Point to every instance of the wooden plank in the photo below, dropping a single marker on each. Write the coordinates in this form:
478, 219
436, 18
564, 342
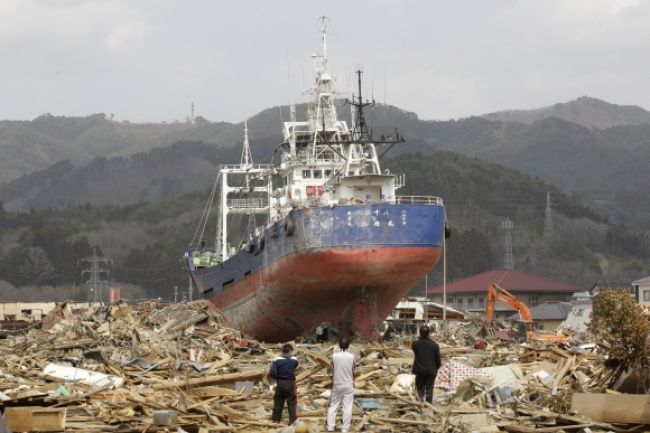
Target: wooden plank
35, 418
212, 391
213, 380
557, 428
359, 381
622, 408
406, 421
307, 373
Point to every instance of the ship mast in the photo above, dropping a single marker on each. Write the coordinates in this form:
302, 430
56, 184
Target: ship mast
360, 131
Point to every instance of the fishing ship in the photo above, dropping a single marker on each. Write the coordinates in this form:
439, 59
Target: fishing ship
330, 241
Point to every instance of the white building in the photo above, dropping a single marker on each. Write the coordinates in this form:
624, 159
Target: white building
31, 311
642, 290
580, 315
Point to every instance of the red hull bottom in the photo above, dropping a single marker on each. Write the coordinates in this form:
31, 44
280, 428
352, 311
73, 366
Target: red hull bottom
354, 289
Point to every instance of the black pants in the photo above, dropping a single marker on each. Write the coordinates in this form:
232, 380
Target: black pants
424, 386
285, 390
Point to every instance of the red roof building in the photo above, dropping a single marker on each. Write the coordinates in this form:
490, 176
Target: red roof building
469, 293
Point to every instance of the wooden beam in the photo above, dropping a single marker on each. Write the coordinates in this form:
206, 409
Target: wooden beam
213, 380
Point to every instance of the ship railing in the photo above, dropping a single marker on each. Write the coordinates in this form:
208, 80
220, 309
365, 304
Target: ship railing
418, 199
248, 203
255, 166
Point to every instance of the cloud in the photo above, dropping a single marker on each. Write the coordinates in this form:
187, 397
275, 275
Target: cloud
148, 60
127, 37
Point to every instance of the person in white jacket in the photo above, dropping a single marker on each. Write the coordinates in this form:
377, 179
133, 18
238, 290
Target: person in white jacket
342, 386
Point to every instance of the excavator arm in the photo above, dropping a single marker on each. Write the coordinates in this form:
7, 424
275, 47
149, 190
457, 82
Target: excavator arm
496, 293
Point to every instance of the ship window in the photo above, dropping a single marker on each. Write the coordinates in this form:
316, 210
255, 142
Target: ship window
247, 273
470, 302
328, 173
318, 174
306, 174
208, 292
232, 280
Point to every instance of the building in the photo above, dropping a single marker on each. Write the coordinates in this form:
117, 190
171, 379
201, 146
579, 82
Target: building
469, 294
409, 314
642, 290
549, 315
31, 311
579, 317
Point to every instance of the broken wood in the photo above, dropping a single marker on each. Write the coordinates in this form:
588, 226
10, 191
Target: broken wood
213, 380
35, 419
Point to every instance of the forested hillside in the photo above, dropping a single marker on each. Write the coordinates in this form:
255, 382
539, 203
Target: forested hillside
28, 146
146, 241
585, 111
604, 169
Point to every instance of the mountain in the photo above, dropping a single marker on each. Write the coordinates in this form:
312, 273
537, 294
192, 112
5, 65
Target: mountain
585, 111
605, 169
142, 178
28, 146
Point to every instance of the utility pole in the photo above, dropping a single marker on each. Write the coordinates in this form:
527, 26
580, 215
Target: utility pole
507, 225
95, 283
175, 294
190, 289
444, 281
548, 220
426, 298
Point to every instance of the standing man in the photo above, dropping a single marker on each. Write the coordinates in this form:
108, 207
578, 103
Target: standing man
426, 364
342, 386
283, 370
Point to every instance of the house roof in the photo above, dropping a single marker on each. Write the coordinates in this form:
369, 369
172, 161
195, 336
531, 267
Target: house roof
511, 280
642, 281
548, 311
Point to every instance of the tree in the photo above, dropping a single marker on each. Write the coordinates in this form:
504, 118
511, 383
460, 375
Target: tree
35, 267
622, 329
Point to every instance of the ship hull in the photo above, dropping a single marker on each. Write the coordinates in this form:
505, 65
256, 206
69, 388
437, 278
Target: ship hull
347, 266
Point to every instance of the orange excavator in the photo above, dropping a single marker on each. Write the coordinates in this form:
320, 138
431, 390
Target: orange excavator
526, 331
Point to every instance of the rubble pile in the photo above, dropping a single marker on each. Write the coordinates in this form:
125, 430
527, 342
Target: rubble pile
179, 367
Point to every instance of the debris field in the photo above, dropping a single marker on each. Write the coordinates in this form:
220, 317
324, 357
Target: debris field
152, 367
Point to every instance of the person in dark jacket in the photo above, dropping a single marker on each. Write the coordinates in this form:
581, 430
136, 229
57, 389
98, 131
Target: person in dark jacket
426, 364
283, 370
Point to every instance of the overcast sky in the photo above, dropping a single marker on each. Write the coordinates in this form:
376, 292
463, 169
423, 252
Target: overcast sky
149, 60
